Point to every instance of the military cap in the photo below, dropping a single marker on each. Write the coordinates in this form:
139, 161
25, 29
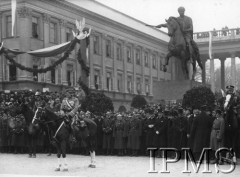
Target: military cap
37, 93
218, 111
230, 87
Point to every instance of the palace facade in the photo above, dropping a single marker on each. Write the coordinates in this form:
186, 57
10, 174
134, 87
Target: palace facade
125, 56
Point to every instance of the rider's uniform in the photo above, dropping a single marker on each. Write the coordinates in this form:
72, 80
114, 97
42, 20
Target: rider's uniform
70, 106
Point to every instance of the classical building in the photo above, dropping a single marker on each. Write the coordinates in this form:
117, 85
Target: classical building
125, 56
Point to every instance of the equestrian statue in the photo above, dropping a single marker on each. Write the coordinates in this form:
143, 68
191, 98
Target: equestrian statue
181, 44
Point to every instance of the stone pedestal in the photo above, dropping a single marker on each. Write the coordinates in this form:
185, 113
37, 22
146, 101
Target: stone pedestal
172, 90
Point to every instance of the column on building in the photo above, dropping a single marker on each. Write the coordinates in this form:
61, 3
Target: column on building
158, 66
134, 69
64, 63
91, 74
204, 71
24, 24
212, 75
46, 21
125, 89
104, 86
143, 71
233, 69
222, 60
150, 74
114, 76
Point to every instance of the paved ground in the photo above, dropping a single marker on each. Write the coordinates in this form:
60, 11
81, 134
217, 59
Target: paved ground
107, 166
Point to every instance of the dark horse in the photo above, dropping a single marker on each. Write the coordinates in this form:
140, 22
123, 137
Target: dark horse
33, 130
61, 132
231, 124
177, 47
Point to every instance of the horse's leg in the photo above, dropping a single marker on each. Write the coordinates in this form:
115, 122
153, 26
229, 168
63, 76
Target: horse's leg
91, 146
59, 164
34, 145
166, 61
184, 65
63, 149
194, 69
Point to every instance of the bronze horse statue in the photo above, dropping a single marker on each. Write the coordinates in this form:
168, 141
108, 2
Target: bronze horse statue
177, 47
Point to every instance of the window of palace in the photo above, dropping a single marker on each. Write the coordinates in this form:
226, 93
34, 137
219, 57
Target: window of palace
147, 87
119, 52
108, 48
12, 72
53, 76
69, 35
97, 79
35, 27
146, 61
154, 62
138, 61
8, 26
53, 32
161, 64
129, 56
138, 85
70, 75
35, 74
129, 84
96, 45
120, 82
109, 81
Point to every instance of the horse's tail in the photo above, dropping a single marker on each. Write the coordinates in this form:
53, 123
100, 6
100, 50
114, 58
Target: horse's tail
197, 53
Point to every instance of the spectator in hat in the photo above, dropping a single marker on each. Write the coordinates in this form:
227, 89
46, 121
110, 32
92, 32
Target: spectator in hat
160, 136
118, 130
200, 132
107, 128
217, 136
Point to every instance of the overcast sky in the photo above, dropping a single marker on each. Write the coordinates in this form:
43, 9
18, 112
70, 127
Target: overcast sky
206, 14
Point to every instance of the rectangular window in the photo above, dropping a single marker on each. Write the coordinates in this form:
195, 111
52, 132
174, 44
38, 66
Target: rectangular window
108, 48
147, 87
96, 79
129, 84
119, 52
138, 62
70, 76
109, 82
53, 32
35, 74
119, 82
129, 60
96, 44
69, 34
8, 26
53, 76
138, 85
35, 27
146, 59
154, 62
161, 65
12, 72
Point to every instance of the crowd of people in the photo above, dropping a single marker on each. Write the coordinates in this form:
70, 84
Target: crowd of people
126, 133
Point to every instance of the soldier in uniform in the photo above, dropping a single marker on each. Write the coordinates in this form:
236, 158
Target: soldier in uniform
107, 128
217, 134
69, 107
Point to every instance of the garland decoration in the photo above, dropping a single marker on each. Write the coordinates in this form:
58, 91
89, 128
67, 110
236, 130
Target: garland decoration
41, 70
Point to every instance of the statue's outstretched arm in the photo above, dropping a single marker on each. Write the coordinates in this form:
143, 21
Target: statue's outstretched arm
161, 25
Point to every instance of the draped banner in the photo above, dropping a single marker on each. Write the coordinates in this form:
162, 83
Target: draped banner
45, 52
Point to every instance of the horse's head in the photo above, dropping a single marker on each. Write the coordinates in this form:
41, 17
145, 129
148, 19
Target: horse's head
38, 116
172, 26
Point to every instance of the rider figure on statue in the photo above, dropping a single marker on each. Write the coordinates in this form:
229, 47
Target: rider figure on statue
186, 27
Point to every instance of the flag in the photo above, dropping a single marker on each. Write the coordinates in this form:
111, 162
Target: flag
210, 45
13, 6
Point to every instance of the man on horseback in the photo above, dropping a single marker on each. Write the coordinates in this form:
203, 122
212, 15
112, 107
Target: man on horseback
186, 25
69, 107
